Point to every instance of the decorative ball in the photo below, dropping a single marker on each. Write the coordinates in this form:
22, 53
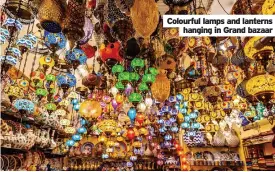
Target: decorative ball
82, 130
70, 143
76, 137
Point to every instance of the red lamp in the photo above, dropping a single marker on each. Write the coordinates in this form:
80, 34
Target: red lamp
140, 118
130, 134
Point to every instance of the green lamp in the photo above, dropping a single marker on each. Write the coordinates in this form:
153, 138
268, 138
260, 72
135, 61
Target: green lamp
124, 77
148, 78
116, 69
137, 63
120, 87
143, 87
41, 92
135, 98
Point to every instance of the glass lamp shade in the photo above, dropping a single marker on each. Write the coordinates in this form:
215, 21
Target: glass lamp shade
117, 69
15, 52
89, 50
26, 43
185, 125
124, 77
135, 97
148, 78
46, 62
37, 78
12, 23
14, 92
11, 60
137, 63
50, 78
134, 77
143, 87
110, 51
4, 34
55, 41
88, 31
25, 105
50, 106
76, 56
120, 86
41, 92
66, 80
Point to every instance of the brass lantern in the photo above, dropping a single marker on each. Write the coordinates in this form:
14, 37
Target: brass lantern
50, 14
74, 21
161, 87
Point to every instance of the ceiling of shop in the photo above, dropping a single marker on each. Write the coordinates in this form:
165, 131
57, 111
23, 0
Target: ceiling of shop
213, 5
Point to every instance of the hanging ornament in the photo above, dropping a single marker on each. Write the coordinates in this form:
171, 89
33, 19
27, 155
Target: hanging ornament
51, 14
161, 87
90, 109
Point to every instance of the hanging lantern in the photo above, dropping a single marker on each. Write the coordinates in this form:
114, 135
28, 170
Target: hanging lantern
140, 118
135, 98
90, 109
110, 53
132, 114
74, 22
116, 69
70, 143
161, 87
82, 130
140, 12
54, 41
130, 134
88, 50
13, 26
137, 63
4, 35
76, 57
46, 62
88, 31
51, 14
14, 92
24, 105
148, 79
26, 43
11, 59
120, 86
76, 137
21, 10
124, 77
66, 81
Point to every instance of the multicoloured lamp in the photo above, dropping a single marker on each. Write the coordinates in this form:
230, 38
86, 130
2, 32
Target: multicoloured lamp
76, 57
24, 106
14, 92
54, 41
66, 81
4, 35
13, 26
143, 87
134, 77
41, 92
11, 59
50, 107
46, 62
37, 79
26, 43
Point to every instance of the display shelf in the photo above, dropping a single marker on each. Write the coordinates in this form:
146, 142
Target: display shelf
6, 115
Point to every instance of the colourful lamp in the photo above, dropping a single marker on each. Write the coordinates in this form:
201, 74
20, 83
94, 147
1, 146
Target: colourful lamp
116, 69
124, 77
135, 98
137, 63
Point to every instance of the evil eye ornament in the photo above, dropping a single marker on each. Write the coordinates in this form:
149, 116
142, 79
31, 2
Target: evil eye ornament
168, 123
162, 130
23, 104
174, 129
187, 118
185, 104
183, 111
177, 106
195, 125
193, 115
172, 120
174, 112
165, 109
